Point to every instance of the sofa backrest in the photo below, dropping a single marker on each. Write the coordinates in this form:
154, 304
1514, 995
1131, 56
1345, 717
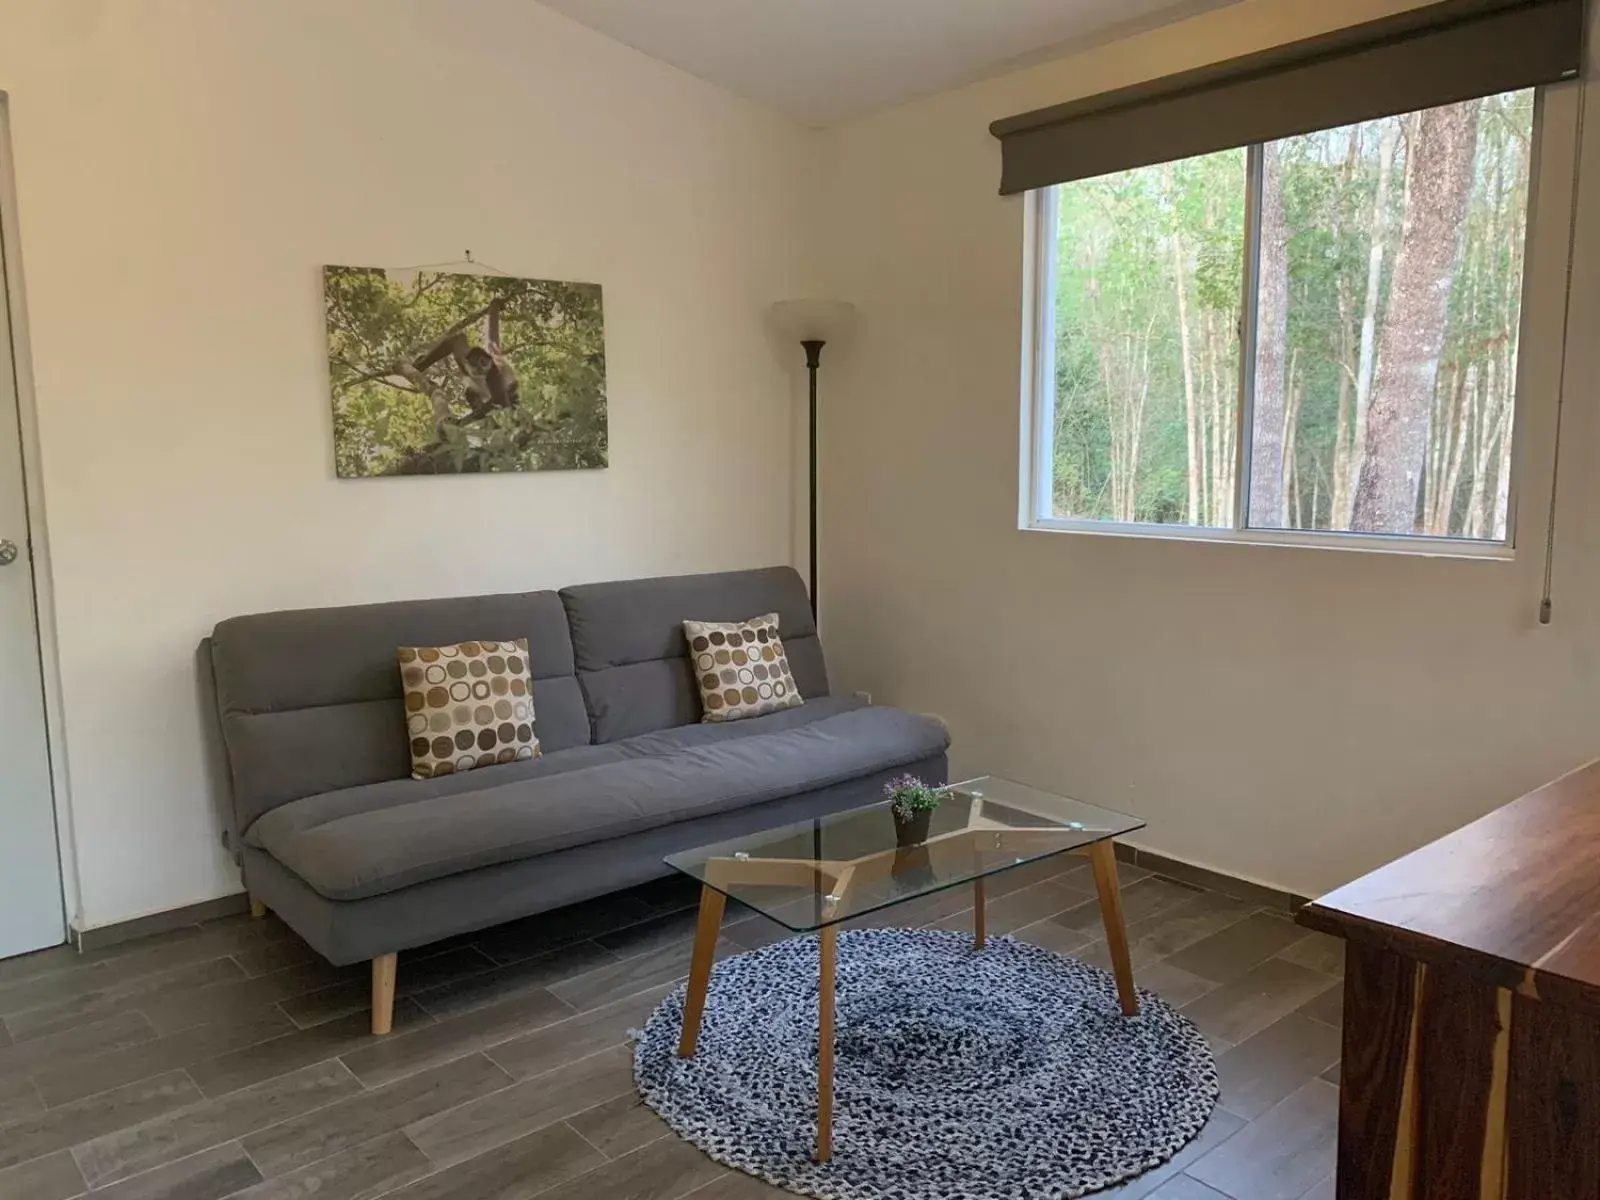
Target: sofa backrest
310, 700
631, 655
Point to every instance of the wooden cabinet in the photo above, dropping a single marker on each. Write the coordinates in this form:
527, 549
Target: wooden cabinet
1471, 1065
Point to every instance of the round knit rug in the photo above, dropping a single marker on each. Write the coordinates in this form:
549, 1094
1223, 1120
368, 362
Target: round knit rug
1007, 1073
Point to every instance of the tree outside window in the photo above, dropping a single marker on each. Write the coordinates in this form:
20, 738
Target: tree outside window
1375, 269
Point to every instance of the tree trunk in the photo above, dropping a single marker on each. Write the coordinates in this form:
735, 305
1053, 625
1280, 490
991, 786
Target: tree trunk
1461, 426
1227, 432
1127, 383
1204, 435
1138, 394
1221, 326
1502, 478
1344, 429
1438, 183
1343, 339
1388, 143
1490, 424
1272, 335
1105, 342
1191, 416
1215, 479
1291, 422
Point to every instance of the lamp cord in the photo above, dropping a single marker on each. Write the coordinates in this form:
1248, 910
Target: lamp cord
1546, 602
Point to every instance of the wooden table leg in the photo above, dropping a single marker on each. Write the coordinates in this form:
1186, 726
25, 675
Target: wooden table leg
1103, 859
706, 932
383, 972
979, 929
827, 945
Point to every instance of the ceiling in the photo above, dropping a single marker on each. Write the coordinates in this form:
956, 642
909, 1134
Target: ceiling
820, 61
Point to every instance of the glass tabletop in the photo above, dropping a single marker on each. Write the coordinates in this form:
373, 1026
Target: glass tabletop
817, 873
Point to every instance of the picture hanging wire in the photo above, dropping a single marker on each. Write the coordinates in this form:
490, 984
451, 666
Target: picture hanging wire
466, 261
1546, 601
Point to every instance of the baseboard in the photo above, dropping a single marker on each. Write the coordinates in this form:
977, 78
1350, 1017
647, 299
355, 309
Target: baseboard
1229, 885
226, 906
118, 932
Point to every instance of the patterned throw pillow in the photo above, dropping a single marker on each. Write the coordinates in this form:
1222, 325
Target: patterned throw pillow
467, 706
741, 668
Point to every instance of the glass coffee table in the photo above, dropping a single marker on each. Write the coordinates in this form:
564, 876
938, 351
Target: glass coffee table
812, 876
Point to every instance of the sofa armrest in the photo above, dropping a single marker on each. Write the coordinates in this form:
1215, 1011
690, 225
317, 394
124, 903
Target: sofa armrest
866, 698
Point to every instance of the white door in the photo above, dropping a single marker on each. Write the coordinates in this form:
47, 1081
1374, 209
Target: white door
31, 915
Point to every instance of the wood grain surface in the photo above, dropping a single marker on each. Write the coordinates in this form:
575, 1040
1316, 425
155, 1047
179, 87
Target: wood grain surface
1512, 899
1554, 1135
1471, 1046
1378, 996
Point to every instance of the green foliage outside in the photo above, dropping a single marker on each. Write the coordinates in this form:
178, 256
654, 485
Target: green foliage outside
396, 413
1120, 445
1150, 275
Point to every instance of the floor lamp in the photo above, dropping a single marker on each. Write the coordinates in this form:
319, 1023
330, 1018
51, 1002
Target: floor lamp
812, 323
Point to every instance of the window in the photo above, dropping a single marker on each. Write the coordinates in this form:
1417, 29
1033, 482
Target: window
1306, 340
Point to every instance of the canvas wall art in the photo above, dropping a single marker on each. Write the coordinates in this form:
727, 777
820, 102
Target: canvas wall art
435, 373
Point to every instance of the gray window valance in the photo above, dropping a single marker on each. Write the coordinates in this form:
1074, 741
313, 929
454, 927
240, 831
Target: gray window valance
1440, 53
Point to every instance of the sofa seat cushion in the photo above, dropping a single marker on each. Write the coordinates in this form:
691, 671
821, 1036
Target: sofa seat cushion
339, 803
376, 839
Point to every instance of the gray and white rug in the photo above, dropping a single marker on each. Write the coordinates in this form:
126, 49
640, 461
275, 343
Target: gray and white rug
1002, 1074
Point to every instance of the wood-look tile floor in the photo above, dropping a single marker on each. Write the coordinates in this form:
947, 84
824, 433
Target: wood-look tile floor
228, 1060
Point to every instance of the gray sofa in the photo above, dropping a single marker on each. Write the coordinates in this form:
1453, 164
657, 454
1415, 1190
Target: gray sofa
362, 861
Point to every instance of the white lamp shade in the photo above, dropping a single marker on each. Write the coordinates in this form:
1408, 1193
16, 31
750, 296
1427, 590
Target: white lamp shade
812, 320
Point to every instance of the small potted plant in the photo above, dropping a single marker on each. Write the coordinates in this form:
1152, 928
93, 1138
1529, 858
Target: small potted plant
912, 803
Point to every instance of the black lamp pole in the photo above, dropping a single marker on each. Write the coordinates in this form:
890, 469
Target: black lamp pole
813, 348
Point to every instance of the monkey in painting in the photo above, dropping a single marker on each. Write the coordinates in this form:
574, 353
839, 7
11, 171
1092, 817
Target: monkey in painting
491, 380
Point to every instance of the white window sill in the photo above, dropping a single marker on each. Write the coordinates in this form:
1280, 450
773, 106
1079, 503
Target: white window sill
1363, 543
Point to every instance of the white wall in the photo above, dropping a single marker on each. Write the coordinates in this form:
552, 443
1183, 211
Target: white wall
1295, 716
184, 168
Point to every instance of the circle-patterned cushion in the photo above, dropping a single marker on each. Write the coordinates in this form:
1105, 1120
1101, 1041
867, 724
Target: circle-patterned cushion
467, 706
1007, 1073
740, 668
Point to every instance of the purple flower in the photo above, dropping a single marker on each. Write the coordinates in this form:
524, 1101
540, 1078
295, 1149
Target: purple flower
908, 795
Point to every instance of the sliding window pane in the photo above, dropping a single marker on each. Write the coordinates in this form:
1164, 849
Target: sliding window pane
1149, 275
1388, 304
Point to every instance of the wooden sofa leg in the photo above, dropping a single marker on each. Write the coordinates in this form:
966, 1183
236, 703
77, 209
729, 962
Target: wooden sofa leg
257, 909
383, 994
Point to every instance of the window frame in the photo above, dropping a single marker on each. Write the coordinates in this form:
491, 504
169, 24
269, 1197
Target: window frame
1035, 510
